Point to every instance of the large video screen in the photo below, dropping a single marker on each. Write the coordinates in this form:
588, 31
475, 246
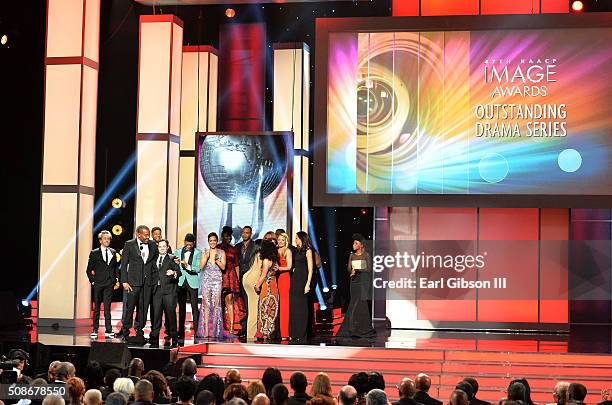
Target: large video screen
480, 116
241, 179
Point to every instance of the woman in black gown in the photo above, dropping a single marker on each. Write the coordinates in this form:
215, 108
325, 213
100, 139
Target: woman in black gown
300, 287
357, 320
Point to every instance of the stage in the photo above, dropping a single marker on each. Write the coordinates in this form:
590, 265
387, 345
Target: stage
584, 355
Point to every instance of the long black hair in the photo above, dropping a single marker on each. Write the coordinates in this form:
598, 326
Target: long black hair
306, 242
269, 251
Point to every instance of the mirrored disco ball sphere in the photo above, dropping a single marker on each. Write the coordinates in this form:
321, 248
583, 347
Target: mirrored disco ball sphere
230, 166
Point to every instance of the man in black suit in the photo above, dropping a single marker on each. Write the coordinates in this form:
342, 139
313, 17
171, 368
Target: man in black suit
102, 274
423, 383
164, 295
407, 391
138, 279
245, 250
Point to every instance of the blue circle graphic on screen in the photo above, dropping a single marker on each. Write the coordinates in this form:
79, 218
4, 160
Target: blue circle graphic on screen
569, 160
493, 168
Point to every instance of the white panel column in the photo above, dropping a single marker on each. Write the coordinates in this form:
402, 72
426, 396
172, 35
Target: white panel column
68, 178
198, 114
292, 113
159, 114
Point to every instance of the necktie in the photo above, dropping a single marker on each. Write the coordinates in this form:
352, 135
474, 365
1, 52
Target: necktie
105, 256
159, 263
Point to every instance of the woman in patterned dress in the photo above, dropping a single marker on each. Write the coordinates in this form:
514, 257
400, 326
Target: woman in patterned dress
267, 289
233, 304
212, 265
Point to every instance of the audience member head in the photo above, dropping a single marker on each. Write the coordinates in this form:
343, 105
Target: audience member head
184, 388
271, 375
576, 392
235, 390
459, 397
407, 388
189, 368
360, 382
76, 389
213, 383
376, 380
53, 400
376, 397
516, 391
52, 371
110, 377
136, 367
255, 387
116, 398
560, 392
298, 382
523, 381
160, 384
124, 386
143, 391
62, 371
232, 377
205, 397
321, 400
473, 382
236, 401
467, 388
422, 382
280, 394
347, 395
261, 399
94, 377
321, 385
92, 397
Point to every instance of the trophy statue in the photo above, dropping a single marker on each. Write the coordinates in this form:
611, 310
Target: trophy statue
242, 170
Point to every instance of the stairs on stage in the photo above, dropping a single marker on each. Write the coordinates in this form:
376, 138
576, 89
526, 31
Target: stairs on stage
493, 369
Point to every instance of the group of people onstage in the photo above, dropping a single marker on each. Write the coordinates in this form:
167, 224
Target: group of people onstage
258, 289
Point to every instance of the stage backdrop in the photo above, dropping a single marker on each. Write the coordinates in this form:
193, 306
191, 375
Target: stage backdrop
483, 116
242, 179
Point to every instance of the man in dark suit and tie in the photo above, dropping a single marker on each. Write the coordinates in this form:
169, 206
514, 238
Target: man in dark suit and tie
422, 385
138, 279
102, 274
245, 250
164, 295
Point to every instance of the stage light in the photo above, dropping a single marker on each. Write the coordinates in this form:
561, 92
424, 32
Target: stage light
334, 287
25, 302
577, 6
117, 203
117, 230
230, 12
4, 39
25, 309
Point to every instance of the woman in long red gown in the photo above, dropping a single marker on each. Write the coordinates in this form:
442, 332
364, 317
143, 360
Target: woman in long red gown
285, 264
233, 304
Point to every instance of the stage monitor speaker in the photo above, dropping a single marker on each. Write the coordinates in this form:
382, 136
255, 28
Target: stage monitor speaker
110, 355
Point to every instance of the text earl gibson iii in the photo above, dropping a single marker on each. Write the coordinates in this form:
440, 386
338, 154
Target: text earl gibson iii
441, 283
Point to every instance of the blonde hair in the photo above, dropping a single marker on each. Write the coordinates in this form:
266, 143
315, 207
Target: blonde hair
321, 385
286, 237
255, 387
124, 386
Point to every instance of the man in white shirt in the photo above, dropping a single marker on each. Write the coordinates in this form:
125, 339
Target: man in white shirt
102, 274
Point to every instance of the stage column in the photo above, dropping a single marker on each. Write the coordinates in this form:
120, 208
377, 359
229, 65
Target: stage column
291, 113
69, 141
198, 114
158, 125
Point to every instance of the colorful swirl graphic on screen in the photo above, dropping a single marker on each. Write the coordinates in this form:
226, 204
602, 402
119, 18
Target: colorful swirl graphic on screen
486, 112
